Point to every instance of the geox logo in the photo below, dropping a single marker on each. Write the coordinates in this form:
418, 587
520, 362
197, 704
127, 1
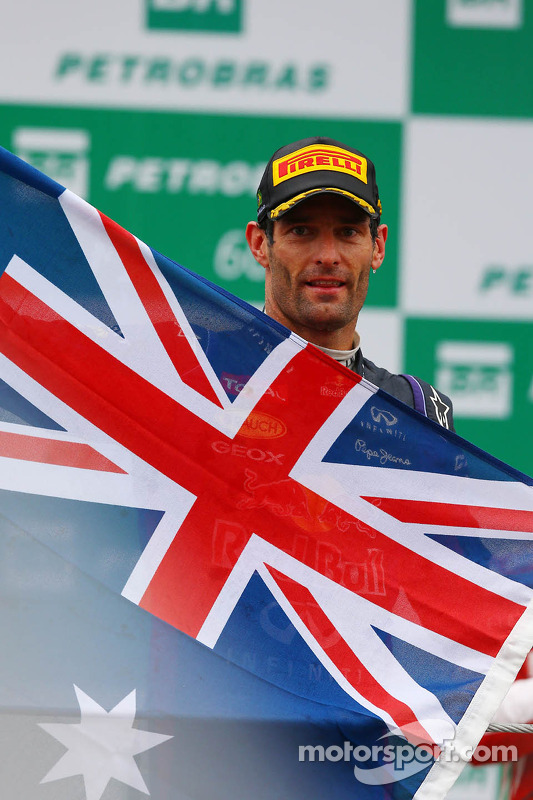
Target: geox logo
484, 13
324, 157
221, 16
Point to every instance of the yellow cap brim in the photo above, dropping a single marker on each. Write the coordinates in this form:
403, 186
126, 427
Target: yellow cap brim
284, 207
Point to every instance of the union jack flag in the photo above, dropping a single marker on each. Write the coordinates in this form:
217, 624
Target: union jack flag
199, 461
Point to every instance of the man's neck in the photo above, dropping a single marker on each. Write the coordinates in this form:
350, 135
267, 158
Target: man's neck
342, 355
333, 340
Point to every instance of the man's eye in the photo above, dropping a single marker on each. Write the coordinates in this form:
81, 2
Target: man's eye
349, 231
299, 230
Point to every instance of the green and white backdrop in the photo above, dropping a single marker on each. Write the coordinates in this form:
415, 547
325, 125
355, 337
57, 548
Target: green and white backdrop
162, 113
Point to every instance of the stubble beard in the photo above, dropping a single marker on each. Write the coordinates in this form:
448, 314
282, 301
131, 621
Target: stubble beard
327, 316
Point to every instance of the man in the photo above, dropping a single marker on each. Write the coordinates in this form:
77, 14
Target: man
318, 235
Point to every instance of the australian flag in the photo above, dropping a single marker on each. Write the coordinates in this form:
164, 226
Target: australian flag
229, 567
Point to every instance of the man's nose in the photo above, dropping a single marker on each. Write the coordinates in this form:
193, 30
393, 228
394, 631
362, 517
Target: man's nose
327, 252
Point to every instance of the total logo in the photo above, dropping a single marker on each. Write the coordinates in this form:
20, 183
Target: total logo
61, 153
478, 375
221, 16
484, 13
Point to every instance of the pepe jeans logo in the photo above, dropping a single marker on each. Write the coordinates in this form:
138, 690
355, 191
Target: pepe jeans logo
478, 376
484, 13
323, 157
60, 153
220, 16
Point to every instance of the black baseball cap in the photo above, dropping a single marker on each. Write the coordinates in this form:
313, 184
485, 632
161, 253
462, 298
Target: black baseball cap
312, 166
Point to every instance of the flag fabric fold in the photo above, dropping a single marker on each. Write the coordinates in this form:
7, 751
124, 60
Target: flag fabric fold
229, 565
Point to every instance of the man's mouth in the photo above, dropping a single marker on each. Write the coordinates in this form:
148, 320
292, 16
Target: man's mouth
325, 283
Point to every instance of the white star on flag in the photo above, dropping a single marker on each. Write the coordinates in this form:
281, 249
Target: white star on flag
102, 745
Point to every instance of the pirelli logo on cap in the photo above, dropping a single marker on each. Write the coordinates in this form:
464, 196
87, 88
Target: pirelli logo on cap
319, 157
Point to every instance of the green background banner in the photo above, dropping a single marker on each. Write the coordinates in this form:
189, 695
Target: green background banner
475, 68
164, 118
486, 368
186, 183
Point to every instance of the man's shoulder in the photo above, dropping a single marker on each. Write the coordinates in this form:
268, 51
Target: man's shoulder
413, 391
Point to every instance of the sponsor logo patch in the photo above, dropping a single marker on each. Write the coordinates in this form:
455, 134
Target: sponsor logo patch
221, 16
263, 426
319, 157
485, 13
62, 153
478, 375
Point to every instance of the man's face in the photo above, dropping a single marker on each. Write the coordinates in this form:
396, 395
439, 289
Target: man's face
318, 266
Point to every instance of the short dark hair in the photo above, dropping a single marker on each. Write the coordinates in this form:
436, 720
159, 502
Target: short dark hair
267, 225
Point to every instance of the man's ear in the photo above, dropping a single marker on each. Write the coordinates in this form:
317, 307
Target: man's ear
379, 247
257, 242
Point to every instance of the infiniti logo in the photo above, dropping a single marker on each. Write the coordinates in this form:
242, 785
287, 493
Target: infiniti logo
380, 415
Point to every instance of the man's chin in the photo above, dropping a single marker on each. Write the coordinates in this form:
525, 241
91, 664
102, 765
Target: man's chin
327, 323
328, 316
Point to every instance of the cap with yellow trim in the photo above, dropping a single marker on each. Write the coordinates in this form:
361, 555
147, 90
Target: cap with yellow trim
312, 166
